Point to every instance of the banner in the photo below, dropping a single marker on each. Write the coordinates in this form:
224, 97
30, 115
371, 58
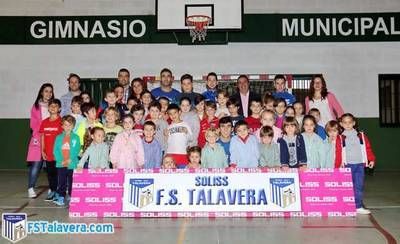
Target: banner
318, 27
204, 192
212, 193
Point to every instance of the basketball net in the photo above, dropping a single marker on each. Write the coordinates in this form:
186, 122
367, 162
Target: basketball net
198, 26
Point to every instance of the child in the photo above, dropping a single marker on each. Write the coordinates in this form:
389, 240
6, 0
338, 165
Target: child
168, 162
222, 99
127, 149
280, 90
213, 154
138, 114
132, 101
210, 120
66, 151
299, 112
111, 128
268, 119
320, 130
90, 121
146, 99
314, 144
244, 147
291, 145
289, 111
333, 146
111, 101
179, 134
164, 106
253, 120
211, 86
194, 156
269, 150
161, 125
358, 154
97, 152
233, 108
86, 98
190, 117
268, 102
49, 129
152, 148
187, 88
199, 102
76, 112
225, 127
280, 107
119, 93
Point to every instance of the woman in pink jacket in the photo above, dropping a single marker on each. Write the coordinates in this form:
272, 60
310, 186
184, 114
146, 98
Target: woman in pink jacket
39, 112
326, 102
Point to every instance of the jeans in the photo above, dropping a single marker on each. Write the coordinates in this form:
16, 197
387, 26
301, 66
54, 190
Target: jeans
357, 173
52, 175
64, 181
34, 170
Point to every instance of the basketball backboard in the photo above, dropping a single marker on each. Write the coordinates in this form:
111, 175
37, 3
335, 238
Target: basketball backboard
225, 14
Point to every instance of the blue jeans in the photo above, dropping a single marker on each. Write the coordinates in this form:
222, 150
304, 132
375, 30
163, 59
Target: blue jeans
357, 173
34, 170
64, 181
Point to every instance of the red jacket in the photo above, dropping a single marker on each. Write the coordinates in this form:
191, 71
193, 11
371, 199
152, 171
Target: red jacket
340, 156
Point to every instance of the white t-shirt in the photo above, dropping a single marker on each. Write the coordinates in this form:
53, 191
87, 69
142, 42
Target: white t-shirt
178, 140
323, 107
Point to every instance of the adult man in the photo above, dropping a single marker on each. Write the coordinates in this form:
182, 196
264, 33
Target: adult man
187, 88
74, 83
165, 89
244, 95
123, 80
280, 90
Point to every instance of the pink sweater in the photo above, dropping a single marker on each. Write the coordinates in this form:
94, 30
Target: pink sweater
34, 150
127, 151
334, 106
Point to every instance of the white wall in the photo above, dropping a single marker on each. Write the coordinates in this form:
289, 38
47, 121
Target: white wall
351, 68
135, 7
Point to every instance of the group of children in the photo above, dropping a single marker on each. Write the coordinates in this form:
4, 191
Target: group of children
203, 132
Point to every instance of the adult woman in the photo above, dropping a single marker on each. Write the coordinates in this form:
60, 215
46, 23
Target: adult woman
138, 86
39, 112
326, 102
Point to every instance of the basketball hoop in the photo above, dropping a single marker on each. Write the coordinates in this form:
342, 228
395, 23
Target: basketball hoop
198, 26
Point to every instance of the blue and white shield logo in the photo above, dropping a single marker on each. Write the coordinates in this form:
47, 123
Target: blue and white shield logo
283, 191
14, 226
141, 192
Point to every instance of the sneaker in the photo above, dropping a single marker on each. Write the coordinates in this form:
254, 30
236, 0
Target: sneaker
362, 211
50, 196
31, 193
59, 201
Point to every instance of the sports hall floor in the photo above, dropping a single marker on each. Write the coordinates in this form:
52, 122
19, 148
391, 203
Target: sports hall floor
382, 196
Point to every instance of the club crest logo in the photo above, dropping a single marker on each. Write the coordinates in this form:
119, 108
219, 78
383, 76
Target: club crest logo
141, 192
14, 226
283, 191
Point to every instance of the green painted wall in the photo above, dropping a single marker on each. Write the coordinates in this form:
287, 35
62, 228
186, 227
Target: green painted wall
15, 134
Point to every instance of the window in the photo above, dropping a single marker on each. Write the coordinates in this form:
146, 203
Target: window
389, 100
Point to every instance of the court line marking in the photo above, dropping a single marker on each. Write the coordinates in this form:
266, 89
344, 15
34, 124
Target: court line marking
389, 238
182, 231
383, 207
